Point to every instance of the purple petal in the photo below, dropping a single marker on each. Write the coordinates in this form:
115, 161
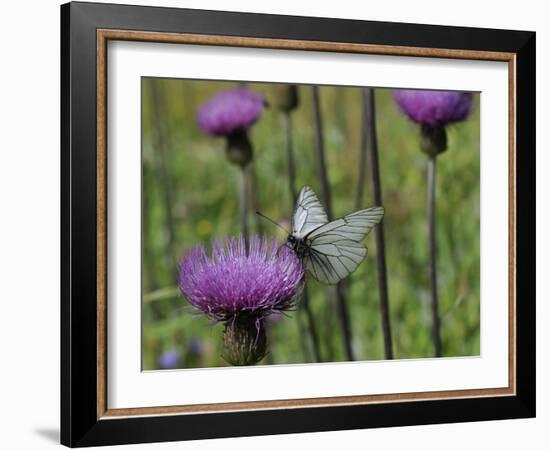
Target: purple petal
230, 111
233, 280
434, 108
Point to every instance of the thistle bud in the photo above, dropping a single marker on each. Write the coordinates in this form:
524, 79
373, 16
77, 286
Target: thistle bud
434, 111
285, 97
244, 341
433, 140
238, 149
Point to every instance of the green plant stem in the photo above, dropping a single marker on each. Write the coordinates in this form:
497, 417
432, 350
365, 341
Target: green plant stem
254, 199
311, 325
321, 160
432, 257
370, 116
243, 202
325, 191
363, 155
344, 318
328, 317
291, 165
269, 354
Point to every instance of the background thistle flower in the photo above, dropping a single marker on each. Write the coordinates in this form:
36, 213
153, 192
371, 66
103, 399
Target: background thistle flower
229, 114
433, 111
240, 287
434, 108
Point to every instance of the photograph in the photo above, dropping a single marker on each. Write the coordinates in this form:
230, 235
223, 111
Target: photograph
298, 224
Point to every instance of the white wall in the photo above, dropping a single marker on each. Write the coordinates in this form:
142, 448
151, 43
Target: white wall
29, 224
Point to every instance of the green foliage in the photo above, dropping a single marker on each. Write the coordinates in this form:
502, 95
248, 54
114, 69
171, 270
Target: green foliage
202, 204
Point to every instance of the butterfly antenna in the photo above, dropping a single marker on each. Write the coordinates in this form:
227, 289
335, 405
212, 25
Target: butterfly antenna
272, 221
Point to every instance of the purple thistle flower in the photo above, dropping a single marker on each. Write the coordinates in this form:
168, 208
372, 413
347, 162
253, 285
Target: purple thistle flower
434, 108
234, 281
241, 287
230, 111
433, 111
169, 359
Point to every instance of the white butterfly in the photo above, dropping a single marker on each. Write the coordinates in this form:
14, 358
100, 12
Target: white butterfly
330, 251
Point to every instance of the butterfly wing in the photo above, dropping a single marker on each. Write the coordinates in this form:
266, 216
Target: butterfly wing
335, 248
354, 226
309, 213
330, 263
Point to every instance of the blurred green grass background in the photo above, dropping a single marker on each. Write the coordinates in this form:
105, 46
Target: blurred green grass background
190, 196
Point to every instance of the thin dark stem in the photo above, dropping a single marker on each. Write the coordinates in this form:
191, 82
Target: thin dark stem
163, 177
433, 253
344, 318
362, 155
311, 325
269, 355
370, 115
321, 163
251, 169
287, 119
325, 193
303, 340
328, 319
243, 203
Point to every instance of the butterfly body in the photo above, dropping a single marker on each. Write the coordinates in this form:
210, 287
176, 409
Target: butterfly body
330, 251
300, 246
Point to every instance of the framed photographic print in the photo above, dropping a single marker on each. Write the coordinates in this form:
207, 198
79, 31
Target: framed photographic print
276, 224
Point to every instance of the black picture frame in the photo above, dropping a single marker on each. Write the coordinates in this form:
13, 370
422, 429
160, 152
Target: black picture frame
80, 425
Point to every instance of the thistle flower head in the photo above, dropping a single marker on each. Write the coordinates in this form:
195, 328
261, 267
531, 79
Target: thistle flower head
240, 287
433, 111
234, 280
230, 111
434, 108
